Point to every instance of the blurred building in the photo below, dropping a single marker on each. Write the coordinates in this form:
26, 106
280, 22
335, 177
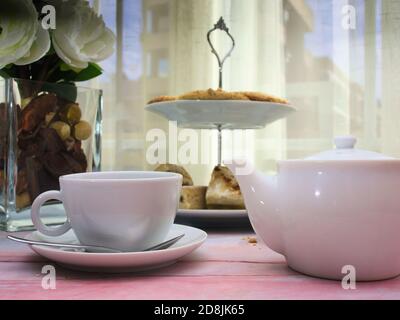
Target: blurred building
328, 101
156, 57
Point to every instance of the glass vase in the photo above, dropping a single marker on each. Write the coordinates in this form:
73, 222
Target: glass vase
46, 130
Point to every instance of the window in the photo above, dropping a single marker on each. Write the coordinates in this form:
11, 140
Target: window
335, 60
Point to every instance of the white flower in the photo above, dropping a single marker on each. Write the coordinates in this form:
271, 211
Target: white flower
19, 29
39, 48
81, 35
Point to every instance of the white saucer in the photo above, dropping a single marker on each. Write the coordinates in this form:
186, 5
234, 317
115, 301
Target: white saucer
120, 262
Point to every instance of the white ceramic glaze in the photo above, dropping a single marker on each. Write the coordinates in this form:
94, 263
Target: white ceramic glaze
345, 150
121, 262
128, 211
323, 215
231, 114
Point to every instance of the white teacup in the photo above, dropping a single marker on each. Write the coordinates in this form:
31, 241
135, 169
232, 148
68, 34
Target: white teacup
127, 211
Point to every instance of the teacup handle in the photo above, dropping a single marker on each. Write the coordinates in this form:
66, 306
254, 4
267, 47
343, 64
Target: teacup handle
35, 214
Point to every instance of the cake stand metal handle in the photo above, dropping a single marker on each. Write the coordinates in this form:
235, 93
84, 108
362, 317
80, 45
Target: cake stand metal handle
220, 25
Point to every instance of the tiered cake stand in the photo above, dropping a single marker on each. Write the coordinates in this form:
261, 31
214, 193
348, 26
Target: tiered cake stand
219, 115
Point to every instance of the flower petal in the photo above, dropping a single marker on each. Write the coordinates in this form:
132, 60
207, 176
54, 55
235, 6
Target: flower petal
39, 48
81, 36
68, 59
19, 26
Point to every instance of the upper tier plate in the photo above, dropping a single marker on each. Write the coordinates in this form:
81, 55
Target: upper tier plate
230, 114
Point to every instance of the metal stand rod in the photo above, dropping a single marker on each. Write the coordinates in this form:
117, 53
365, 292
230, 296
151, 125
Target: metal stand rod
220, 78
220, 25
219, 144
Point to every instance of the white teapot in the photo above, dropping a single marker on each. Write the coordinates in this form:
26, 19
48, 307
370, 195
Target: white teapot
337, 209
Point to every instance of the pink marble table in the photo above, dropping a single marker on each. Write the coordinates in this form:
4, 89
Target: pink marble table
225, 267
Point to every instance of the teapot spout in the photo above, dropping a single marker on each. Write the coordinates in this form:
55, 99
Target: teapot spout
261, 198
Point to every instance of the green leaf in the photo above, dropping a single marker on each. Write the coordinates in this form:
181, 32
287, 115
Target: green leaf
68, 74
9, 71
4, 74
92, 71
67, 91
65, 67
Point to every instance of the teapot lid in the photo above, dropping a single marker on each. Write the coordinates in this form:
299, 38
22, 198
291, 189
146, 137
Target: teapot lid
345, 151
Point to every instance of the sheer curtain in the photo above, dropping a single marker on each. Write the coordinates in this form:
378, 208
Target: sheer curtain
390, 77
342, 80
254, 65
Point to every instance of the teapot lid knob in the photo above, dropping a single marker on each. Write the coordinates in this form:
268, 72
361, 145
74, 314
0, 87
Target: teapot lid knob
345, 142
345, 151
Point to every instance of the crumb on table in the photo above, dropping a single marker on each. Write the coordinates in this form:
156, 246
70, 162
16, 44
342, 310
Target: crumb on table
251, 240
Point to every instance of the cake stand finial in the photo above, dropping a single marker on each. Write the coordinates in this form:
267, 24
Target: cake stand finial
220, 25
